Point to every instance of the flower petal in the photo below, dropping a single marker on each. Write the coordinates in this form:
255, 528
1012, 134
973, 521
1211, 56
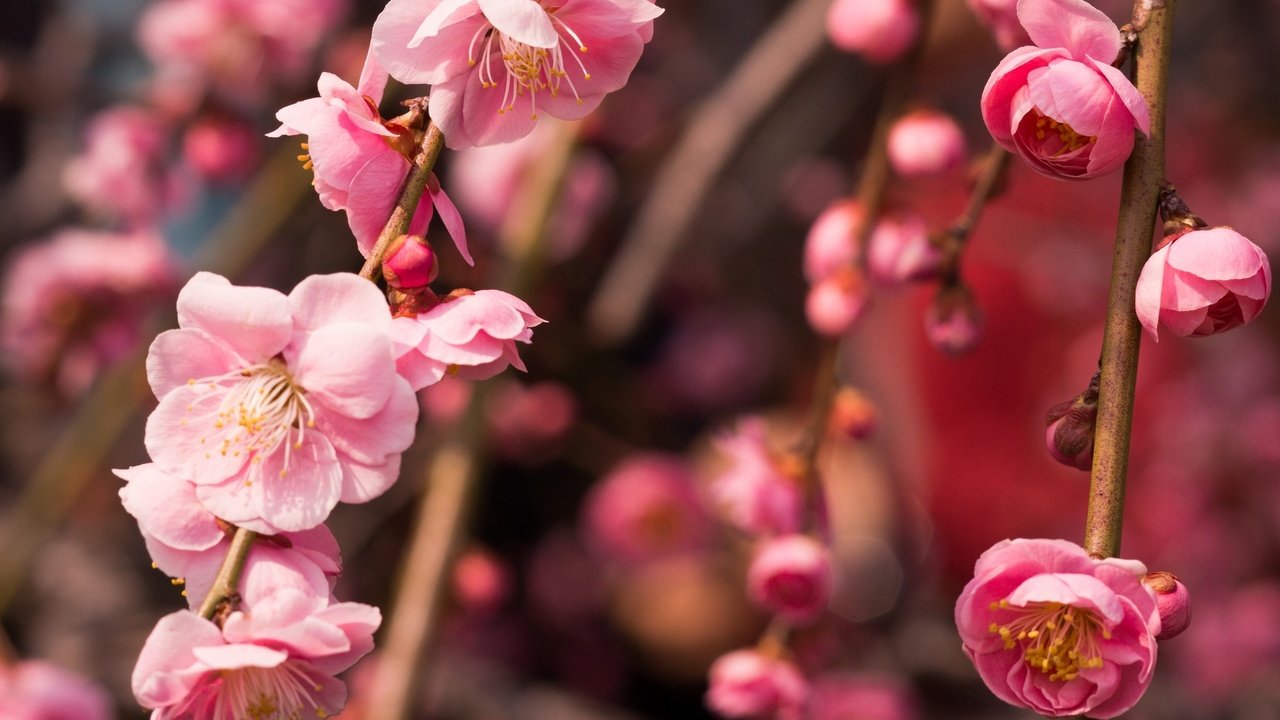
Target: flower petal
347, 368
521, 20
1075, 25
253, 321
177, 357
322, 300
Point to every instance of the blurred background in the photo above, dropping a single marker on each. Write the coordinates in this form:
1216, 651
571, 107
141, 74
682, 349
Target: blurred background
133, 120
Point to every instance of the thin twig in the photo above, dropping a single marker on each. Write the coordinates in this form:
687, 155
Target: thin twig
712, 139
424, 161
1143, 176
227, 583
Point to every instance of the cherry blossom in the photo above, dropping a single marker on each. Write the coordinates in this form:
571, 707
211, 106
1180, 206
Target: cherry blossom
748, 684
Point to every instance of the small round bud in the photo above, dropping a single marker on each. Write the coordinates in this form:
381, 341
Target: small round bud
925, 142
853, 414
409, 263
481, 581
1173, 602
836, 303
791, 576
830, 245
899, 251
879, 30
953, 321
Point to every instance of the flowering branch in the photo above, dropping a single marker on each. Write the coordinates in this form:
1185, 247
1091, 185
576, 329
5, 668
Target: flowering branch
424, 161
1143, 177
228, 581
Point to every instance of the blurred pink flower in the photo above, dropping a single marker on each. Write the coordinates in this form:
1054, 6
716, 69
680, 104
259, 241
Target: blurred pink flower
471, 335
220, 149
759, 496
360, 161
792, 576
846, 696
496, 64
186, 541
830, 244
899, 250
1002, 17
749, 684
481, 581
76, 302
530, 421
1053, 630
837, 302
925, 142
38, 690
1060, 104
278, 407
1202, 282
645, 508
278, 661
122, 172
879, 30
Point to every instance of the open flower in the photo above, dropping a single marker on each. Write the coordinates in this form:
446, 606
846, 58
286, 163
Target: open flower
1051, 629
756, 491
496, 64
38, 690
278, 407
279, 661
749, 684
1060, 104
360, 160
1202, 282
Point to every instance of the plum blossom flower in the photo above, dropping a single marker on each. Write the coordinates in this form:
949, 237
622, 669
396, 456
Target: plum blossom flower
38, 690
495, 65
360, 160
879, 30
1060, 104
925, 142
757, 492
471, 335
1053, 630
221, 149
122, 172
792, 576
278, 660
76, 302
1202, 282
748, 684
278, 407
1001, 16
643, 509
187, 541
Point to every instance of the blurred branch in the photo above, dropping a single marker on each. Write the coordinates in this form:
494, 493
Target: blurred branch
992, 172
1143, 177
712, 139
107, 410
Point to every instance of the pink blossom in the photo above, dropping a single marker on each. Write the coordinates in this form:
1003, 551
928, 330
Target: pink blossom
277, 661
481, 581
749, 684
278, 407
925, 142
529, 422
849, 696
76, 302
1059, 103
1202, 282
757, 492
953, 323
830, 244
899, 250
1173, 602
471, 335
643, 509
792, 576
360, 160
496, 64
836, 303
1002, 17
1053, 630
122, 172
38, 690
187, 541
879, 30
220, 149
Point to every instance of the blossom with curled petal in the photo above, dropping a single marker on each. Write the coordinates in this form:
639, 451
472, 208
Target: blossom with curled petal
277, 406
1053, 630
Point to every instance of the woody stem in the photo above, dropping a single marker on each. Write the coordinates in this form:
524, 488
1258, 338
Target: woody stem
424, 161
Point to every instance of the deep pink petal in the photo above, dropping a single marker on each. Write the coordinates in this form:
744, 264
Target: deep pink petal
253, 321
1218, 253
1114, 143
1128, 94
1006, 80
470, 114
1076, 589
1149, 291
995, 668
1075, 25
1072, 93
1184, 291
375, 189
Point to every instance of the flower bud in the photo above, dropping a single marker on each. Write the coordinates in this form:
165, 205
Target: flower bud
836, 303
830, 244
899, 251
1069, 432
791, 576
409, 263
925, 142
1172, 601
853, 414
481, 581
750, 684
879, 30
953, 321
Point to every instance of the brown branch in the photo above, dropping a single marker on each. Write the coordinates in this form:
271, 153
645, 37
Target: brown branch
227, 583
1143, 176
424, 161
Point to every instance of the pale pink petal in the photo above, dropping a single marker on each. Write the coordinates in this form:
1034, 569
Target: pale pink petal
370, 440
1215, 254
1184, 291
271, 569
359, 622
356, 111
1009, 77
183, 439
436, 19
373, 78
1114, 143
320, 547
239, 502
253, 321
452, 220
231, 657
470, 114
300, 496
346, 368
474, 351
362, 483
167, 668
419, 370
1190, 322
179, 356
374, 192
1075, 589
608, 19
321, 300
522, 20
434, 59
299, 118
166, 508
1075, 25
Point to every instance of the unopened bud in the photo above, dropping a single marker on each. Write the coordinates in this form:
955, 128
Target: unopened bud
853, 414
836, 303
1069, 428
1173, 602
899, 250
409, 263
953, 321
925, 142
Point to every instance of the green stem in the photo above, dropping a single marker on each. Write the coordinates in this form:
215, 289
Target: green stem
1143, 176
227, 584
424, 161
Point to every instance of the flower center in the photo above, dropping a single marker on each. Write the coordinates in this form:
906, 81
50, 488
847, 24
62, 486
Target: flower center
262, 410
1068, 140
529, 69
278, 693
1058, 640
